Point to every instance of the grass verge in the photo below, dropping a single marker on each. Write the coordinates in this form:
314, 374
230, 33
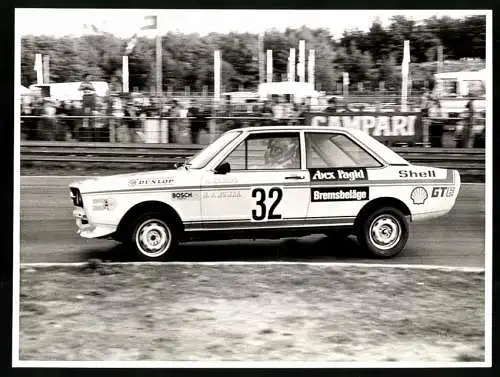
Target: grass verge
250, 313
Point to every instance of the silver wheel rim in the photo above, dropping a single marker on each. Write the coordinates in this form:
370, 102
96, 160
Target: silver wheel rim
385, 232
153, 238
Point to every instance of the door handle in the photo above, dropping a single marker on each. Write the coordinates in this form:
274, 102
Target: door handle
295, 177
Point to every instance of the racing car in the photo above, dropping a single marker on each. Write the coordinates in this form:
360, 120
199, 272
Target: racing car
269, 182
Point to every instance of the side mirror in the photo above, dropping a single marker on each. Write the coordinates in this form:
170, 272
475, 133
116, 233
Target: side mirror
223, 168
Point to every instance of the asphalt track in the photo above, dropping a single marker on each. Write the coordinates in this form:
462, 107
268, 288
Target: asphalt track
48, 234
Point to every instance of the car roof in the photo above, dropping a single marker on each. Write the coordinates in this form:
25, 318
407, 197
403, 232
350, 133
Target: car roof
290, 128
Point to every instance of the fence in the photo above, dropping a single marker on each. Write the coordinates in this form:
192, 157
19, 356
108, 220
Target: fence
407, 128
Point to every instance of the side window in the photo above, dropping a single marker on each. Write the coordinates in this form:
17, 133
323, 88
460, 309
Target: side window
336, 150
267, 151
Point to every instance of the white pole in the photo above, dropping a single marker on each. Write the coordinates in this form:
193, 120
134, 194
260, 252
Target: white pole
404, 72
260, 47
269, 65
46, 69
125, 73
291, 65
310, 67
39, 69
302, 61
159, 78
217, 77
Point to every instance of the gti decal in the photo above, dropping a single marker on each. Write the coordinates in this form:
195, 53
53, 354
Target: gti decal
338, 174
329, 194
442, 192
419, 195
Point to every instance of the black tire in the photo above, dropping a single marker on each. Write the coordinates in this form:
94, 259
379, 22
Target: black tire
156, 231
381, 223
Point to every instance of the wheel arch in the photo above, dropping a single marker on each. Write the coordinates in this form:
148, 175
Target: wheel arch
379, 203
148, 206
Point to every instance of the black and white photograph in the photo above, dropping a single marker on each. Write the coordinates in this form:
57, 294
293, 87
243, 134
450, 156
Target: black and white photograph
252, 188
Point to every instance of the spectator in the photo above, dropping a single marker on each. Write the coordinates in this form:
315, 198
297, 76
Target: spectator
100, 131
332, 106
436, 126
267, 112
63, 128
132, 121
200, 121
88, 96
46, 127
174, 124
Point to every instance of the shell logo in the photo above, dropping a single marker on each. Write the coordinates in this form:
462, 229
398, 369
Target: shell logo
419, 195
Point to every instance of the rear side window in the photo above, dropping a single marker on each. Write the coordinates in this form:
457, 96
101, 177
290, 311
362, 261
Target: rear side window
336, 150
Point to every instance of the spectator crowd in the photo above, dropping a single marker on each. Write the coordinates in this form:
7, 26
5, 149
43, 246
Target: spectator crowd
127, 118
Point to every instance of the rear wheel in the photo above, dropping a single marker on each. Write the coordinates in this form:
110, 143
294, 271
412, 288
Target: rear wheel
153, 237
384, 232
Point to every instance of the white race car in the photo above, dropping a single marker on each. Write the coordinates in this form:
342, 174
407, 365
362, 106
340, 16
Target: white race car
269, 182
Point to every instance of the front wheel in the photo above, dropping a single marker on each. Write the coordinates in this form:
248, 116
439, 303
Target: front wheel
153, 237
384, 232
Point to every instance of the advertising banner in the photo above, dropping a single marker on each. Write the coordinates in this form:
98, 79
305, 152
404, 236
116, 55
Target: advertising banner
388, 127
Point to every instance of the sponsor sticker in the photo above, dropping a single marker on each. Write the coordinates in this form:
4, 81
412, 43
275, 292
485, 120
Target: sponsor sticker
133, 182
222, 195
419, 195
338, 174
220, 180
184, 195
331, 194
442, 192
103, 204
406, 173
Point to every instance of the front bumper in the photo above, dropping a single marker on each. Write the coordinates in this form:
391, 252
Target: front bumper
88, 230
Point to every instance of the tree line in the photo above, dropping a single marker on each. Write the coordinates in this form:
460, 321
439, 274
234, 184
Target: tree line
369, 57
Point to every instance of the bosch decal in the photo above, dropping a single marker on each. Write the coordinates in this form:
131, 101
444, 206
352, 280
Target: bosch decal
329, 194
182, 195
417, 174
419, 195
338, 174
442, 192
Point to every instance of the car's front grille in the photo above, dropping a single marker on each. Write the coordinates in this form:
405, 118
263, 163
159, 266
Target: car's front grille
76, 197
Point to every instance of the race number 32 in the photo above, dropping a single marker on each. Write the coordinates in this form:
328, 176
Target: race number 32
260, 210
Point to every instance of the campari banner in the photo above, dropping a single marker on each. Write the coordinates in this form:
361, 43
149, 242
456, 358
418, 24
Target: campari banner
385, 126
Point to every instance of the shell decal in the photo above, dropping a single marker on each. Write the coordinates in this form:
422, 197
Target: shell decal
419, 195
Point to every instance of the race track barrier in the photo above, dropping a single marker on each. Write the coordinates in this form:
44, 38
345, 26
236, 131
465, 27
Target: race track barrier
469, 162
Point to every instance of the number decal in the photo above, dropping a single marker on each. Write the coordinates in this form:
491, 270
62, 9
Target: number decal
261, 203
260, 213
279, 193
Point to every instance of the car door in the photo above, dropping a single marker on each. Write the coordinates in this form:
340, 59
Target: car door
265, 188
339, 177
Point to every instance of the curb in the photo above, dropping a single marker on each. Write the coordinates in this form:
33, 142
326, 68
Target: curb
319, 264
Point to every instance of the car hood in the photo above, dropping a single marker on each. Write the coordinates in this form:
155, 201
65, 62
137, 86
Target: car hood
133, 181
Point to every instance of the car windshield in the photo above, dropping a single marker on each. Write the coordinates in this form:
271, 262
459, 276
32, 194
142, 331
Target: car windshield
202, 158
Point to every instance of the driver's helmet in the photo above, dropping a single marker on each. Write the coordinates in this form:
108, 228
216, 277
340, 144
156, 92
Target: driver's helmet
282, 152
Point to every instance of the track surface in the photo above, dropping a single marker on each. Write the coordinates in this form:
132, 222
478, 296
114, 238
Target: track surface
48, 234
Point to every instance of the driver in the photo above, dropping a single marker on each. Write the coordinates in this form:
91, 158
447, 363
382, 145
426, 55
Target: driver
283, 154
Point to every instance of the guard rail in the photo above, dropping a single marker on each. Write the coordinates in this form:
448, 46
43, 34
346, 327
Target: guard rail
469, 162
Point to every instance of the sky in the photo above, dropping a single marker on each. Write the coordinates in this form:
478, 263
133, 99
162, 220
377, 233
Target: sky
125, 22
